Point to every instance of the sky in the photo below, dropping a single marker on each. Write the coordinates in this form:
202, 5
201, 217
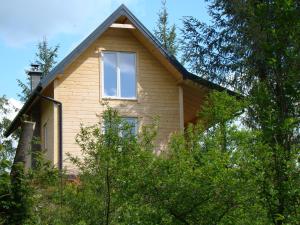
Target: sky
66, 23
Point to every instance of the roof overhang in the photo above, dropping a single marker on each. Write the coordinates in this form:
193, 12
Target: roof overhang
17, 120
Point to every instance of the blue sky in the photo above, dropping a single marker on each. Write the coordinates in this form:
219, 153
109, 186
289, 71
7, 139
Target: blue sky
67, 23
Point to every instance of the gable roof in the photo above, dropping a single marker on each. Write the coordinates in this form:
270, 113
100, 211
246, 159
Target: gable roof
60, 67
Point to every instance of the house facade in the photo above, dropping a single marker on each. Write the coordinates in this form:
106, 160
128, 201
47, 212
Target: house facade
120, 64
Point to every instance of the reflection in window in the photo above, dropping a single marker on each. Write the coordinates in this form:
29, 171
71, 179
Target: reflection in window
110, 71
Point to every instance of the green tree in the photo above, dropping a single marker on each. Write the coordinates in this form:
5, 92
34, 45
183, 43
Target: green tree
46, 57
254, 47
109, 152
25, 198
195, 181
14, 196
6, 151
164, 33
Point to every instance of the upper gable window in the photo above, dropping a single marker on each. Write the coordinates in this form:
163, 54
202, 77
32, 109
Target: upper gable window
119, 75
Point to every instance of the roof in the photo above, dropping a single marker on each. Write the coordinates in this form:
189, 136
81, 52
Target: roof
60, 67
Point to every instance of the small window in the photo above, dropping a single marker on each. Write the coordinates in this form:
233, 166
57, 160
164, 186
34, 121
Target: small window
133, 123
45, 135
119, 75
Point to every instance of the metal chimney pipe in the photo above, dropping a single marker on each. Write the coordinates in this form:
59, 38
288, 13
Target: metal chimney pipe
35, 76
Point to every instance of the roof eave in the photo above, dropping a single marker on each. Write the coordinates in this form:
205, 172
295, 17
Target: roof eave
16, 121
211, 85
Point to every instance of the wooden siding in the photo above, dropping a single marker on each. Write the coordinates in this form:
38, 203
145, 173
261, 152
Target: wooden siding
193, 97
47, 118
79, 90
48, 115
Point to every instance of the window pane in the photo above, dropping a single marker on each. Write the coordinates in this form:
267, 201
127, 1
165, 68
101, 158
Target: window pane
132, 122
110, 74
127, 75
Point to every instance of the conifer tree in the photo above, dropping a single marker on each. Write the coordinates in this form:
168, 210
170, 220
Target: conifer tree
164, 33
45, 57
254, 47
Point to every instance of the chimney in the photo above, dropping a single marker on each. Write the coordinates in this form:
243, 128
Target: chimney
35, 76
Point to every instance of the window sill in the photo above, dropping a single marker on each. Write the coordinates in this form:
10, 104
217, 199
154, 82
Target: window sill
118, 99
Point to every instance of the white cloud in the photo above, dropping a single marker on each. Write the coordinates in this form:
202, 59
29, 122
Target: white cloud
23, 21
12, 108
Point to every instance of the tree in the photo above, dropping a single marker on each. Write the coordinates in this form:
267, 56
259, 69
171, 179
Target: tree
253, 46
196, 181
165, 34
46, 56
6, 156
122, 181
14, 193
46, 59
7, 148
22, 195
109, 152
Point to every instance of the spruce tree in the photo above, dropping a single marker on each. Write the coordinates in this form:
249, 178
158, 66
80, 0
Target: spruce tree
164, 33
254, 47
45, 57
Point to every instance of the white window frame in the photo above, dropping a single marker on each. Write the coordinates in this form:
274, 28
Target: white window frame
118, 96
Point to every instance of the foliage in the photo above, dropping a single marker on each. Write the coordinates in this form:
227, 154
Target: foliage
214, 172
7, 148
6, 144
31, 197
165, 34
122, 181
22, 195
14, 200
25, 89
106, 158
253, 46
46, 57
244, 41
6, 151
195, 181
45, 184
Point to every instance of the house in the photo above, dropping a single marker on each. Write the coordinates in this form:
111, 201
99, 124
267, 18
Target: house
123, 64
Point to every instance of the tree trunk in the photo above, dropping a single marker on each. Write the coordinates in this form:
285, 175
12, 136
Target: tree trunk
24, 145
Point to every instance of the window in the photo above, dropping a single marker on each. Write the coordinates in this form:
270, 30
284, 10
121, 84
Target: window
119, 75
45, 135
133, 123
